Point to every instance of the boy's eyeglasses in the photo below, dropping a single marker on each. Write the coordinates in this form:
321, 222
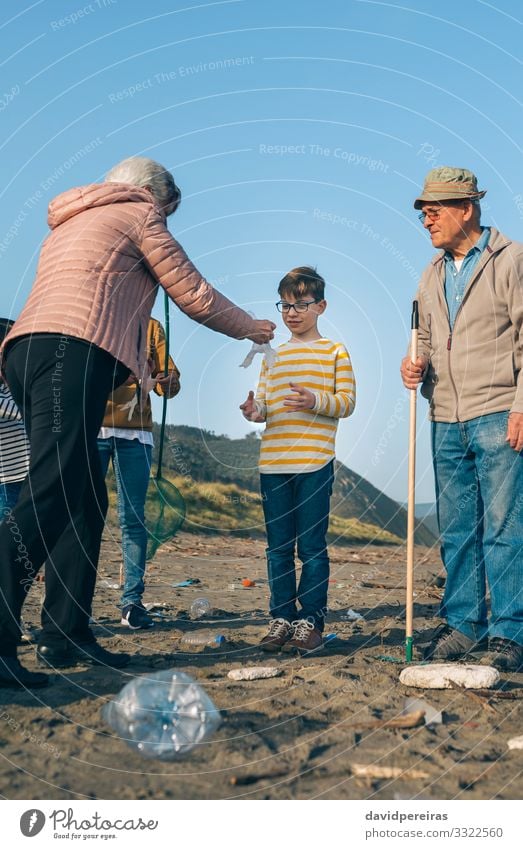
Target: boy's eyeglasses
301, 306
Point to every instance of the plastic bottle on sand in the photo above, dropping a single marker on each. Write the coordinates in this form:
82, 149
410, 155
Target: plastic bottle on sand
200, 608
203, 638
162, 715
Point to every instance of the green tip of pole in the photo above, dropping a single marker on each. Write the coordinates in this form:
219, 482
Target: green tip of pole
408, 649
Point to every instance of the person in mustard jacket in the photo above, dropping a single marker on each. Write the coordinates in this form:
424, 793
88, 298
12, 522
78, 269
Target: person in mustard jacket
126, 439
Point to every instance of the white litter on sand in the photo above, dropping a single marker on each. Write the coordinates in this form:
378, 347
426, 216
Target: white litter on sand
432, 716
351, 615
251, 673
516, 743
443, 676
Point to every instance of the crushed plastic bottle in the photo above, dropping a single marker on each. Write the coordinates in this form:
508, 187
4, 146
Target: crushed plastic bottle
162, 715
203, 638
200, 608
112, 585
351, 616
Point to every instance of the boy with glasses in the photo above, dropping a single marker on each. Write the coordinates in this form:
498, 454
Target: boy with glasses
300, 397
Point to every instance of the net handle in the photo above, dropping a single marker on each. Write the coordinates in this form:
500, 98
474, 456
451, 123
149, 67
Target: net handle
166, 372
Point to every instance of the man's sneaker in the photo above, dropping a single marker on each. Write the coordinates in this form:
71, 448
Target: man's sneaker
449, 644
135, 616
306, 638
505, 655
279, 632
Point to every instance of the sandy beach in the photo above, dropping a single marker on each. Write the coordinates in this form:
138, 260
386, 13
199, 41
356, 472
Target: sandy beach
303, 735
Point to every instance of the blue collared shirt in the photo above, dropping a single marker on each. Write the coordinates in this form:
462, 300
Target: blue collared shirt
456, 281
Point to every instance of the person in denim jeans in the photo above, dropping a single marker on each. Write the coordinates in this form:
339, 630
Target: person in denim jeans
470, 356
14, 445
300, 396
126, 438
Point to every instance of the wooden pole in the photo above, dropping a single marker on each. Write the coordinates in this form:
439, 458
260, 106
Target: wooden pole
166, 372
411, 506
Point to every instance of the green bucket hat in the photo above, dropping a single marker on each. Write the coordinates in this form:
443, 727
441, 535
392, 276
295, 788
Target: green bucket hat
446, 183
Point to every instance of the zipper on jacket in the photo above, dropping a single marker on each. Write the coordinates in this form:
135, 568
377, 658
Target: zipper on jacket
451, 378
449, 343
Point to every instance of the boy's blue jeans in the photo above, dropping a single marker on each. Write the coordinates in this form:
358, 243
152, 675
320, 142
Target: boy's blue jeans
9, 493
132, 466
296, 508
479, 490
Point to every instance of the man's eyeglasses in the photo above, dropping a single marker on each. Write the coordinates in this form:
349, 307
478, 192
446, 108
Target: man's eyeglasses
301, 306
435, 213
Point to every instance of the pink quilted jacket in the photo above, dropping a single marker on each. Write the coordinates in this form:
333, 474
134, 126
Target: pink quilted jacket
99, 271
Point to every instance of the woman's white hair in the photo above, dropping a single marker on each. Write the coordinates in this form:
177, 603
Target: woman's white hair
140, 171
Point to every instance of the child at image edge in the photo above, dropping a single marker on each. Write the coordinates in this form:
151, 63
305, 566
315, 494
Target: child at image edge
301, 397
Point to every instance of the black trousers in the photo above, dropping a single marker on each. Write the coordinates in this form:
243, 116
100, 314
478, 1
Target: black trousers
60, 385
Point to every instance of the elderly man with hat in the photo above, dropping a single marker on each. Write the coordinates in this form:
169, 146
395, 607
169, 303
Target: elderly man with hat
469, 364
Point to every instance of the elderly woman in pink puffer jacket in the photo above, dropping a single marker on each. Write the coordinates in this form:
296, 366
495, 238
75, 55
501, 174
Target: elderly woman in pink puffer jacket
81, 333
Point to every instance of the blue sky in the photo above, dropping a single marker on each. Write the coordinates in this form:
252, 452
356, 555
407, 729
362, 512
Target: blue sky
299, 133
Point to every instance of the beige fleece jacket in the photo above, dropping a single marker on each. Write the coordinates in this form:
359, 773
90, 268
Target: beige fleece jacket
476, 369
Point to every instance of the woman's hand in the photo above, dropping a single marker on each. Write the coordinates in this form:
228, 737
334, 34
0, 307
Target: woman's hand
264, 331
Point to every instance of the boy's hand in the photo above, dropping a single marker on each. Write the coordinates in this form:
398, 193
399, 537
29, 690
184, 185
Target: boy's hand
302, 399
249, 411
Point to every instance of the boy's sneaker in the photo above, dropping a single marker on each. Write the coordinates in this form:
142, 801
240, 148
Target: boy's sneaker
505, 655
279, 632
135, 616
306, 638
449, 644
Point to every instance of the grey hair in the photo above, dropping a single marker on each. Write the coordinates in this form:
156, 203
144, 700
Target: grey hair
476, 206
140, 171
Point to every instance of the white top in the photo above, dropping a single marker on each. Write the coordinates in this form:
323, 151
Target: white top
143, 436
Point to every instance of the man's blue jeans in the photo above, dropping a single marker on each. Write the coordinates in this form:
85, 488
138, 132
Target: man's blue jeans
296, 509
479, 491
132, 466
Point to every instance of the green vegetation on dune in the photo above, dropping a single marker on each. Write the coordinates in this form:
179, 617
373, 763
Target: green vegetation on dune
225, 508
228, 509
218, 477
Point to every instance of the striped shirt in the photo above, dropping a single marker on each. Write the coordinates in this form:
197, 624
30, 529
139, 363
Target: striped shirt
303, 440
14, 447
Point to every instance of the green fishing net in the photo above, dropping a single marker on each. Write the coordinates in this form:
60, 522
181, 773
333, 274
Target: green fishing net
164, 513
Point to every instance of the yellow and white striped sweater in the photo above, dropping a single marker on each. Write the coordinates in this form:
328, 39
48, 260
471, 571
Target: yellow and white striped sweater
303, 441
